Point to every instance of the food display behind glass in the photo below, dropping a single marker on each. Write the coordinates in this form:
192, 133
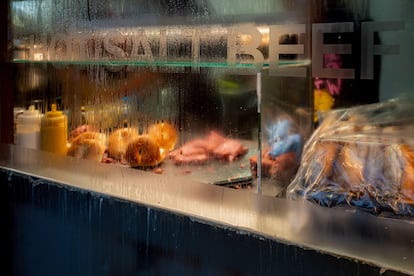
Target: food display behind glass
223, 94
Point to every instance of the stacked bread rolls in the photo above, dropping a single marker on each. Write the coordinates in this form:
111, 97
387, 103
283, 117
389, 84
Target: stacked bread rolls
361, 156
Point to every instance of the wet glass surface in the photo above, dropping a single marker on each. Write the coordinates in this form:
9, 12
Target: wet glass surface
255, 73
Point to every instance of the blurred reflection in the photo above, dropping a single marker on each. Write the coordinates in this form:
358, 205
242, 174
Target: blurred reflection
338, 92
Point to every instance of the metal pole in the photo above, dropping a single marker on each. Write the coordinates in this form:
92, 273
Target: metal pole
259, 123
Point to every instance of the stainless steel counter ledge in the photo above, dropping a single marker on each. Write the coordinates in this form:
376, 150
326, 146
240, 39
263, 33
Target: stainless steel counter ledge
383, 242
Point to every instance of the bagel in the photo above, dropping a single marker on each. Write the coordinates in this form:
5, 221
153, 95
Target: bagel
143, 152
88, 145
119, 140
164, 134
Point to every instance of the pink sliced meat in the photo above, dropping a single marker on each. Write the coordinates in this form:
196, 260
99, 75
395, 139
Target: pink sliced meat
213, 145
194, 147
195, 159
213, 140
229, 150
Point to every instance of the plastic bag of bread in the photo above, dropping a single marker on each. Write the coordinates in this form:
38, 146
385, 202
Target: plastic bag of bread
362, 157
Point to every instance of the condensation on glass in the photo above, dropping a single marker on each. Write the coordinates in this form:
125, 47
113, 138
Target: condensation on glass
223, 93
212, 91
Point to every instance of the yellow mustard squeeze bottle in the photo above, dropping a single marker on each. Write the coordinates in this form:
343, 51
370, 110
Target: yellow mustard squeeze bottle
54, 131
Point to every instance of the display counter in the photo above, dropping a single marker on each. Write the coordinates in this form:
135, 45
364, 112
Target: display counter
183, 137
72, 216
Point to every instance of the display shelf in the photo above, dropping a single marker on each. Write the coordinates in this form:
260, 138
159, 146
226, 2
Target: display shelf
165, 64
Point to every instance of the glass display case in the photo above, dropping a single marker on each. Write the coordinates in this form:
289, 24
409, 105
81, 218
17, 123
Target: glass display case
218, 95
225, 95
199, 88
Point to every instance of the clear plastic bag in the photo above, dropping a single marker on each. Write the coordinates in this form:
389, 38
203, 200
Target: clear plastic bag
363, 157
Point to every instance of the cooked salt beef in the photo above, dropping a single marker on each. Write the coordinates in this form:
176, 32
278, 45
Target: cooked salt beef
214, 140
195, 159
200, 150
194, 147
193, 152
200, 145
229, 150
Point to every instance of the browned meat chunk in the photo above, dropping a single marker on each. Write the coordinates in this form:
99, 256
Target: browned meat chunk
282, 167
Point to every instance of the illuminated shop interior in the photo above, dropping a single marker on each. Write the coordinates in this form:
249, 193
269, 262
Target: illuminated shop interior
278, 132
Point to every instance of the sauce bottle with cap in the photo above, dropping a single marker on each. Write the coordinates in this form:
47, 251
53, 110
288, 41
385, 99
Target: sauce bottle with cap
54, 131
28, 128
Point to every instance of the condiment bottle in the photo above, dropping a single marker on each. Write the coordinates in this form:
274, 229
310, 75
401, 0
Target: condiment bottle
28, 128
54, 131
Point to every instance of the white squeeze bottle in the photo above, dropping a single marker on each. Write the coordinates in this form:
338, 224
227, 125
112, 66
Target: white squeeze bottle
28, 128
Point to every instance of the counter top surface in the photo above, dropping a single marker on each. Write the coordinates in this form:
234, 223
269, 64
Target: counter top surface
384, 242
